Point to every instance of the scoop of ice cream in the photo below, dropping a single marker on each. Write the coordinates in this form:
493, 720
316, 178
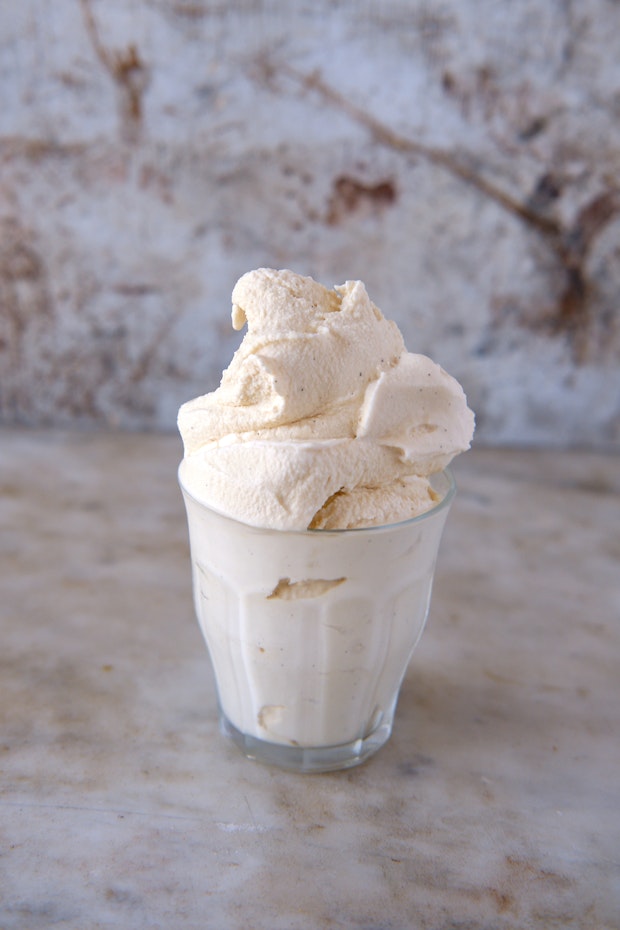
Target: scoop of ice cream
322, 418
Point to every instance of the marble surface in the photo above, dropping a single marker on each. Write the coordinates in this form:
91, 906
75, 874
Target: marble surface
496, 804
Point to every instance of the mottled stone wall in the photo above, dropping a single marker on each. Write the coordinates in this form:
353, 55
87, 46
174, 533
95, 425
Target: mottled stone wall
461, 157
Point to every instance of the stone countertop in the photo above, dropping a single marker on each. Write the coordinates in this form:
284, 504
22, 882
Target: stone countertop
496, 803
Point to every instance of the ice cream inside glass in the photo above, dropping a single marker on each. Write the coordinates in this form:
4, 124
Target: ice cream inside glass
316, 487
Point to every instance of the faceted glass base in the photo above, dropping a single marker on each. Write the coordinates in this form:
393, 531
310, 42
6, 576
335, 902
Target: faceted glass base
308, 759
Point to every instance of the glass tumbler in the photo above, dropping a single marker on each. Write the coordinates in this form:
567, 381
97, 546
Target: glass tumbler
310, 633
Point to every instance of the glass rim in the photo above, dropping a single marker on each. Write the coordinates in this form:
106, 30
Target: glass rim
443, 504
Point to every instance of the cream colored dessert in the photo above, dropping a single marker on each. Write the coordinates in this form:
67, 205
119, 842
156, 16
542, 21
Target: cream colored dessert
310, 633
323, 419
322, 423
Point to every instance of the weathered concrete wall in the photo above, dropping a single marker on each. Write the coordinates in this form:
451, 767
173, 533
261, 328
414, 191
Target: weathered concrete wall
462, 158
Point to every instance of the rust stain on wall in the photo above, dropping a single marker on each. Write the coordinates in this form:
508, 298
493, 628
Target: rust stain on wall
24, 301
128, 71
349, 195
574, 313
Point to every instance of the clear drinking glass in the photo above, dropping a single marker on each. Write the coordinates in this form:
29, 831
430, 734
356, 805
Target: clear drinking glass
310, 633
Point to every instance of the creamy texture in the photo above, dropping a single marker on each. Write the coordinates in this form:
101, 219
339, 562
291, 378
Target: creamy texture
310, 633
323, 419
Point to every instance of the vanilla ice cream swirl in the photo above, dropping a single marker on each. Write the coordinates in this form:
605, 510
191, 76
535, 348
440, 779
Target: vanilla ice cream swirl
322, 419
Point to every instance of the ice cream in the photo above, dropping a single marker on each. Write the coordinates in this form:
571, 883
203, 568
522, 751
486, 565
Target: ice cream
323, 419
310, 633
316, 497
